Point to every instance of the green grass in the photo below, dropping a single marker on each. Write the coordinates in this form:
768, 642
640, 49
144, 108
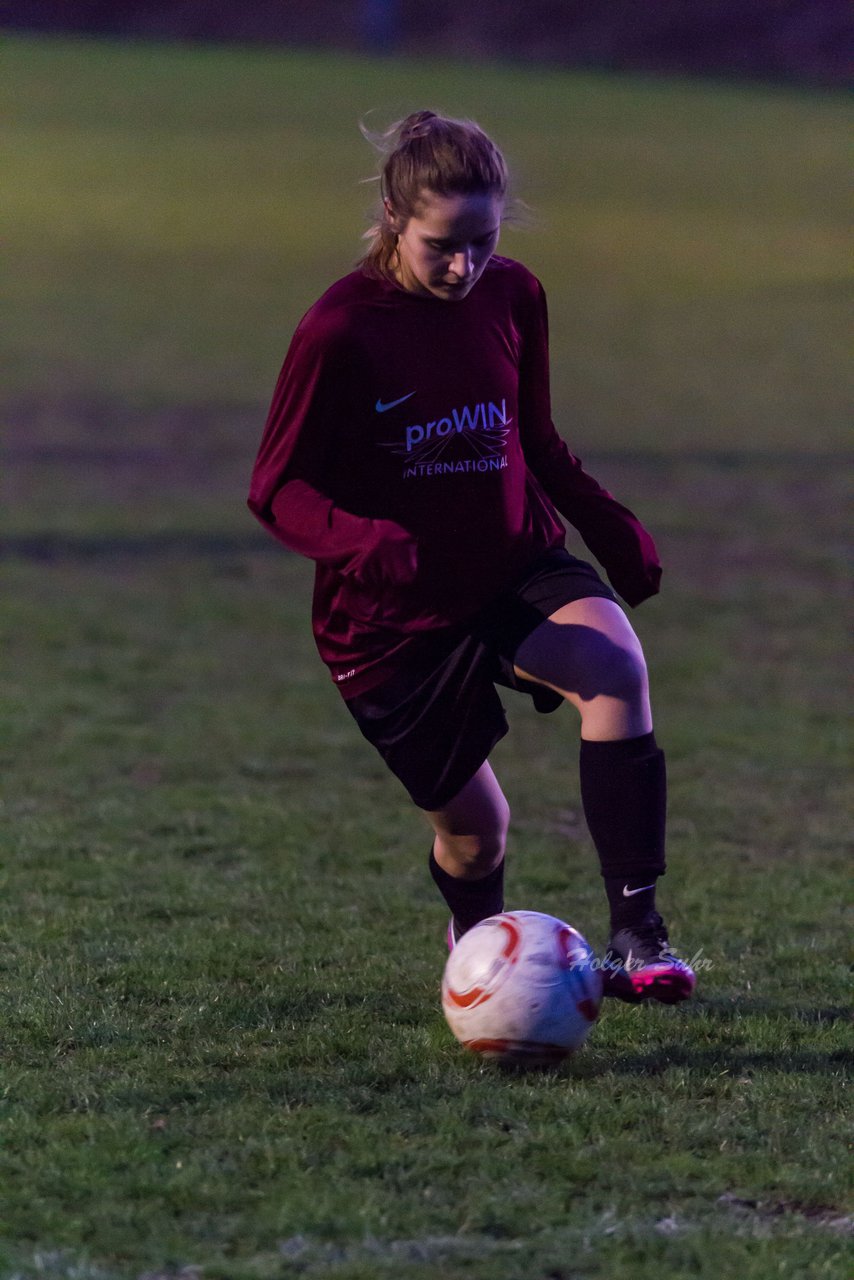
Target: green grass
222, 1049
175, 212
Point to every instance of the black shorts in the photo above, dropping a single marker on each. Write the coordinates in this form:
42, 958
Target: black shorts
435, 721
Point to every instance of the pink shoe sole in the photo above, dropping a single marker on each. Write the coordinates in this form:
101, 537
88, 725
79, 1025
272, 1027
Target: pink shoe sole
668, 985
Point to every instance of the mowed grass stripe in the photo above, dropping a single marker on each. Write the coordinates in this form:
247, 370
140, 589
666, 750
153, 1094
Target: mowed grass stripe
194, 203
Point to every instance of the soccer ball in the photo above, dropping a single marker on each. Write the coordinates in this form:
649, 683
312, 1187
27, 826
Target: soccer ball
522, 988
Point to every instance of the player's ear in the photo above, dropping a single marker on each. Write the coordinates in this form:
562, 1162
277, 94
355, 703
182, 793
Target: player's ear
396, 223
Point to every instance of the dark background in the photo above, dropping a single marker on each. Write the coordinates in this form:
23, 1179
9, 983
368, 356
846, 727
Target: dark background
807, 41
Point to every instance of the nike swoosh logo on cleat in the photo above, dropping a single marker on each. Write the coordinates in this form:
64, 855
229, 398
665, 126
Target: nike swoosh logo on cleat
392, 404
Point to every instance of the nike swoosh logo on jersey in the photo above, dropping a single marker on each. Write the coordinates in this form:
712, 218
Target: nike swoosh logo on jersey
630, 893
392, 404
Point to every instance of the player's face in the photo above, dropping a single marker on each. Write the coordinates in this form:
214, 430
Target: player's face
444, 248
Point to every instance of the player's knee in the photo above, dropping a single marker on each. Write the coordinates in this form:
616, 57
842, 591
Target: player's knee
480, 847
473, 856
471, 833
615, 669
624, 674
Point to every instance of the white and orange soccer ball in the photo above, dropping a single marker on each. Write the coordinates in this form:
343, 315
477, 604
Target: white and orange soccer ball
522, 988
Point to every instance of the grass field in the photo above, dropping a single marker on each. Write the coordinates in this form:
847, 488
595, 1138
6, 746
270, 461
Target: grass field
223, 1056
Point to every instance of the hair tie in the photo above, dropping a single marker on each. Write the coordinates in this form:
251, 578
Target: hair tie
416, 125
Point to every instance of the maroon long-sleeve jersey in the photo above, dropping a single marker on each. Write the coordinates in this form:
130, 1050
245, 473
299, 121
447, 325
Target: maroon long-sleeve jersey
410, 452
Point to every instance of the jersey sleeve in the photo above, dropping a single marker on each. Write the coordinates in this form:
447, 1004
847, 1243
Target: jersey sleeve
289, 486
612, 533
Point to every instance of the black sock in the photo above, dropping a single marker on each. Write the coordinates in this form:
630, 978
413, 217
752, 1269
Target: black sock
470, 901
624, 793
630, 899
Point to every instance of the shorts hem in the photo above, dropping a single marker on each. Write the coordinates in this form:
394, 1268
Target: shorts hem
442, 797
436, 720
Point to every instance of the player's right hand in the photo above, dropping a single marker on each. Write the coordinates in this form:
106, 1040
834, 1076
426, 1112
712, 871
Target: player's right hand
390, 558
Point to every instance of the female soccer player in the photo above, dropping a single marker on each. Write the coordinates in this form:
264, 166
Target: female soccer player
410, 452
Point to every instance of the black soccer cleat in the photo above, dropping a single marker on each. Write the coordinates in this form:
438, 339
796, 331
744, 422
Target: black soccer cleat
640, 965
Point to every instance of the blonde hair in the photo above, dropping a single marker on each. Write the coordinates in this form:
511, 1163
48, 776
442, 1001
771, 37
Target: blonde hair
427, 152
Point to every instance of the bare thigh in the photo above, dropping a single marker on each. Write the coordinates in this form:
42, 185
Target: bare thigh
588, 652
